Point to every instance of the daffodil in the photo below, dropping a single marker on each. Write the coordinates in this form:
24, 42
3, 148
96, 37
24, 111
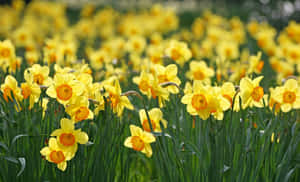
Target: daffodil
117, 101
288, 95
205, 101
251, 93
64, 88
178, 52
78, 109
40, 74
140, 140
136, 44
30, 90
10, 86
200, 71
168, 74
156, 116
55, 154
255, 64
68, 138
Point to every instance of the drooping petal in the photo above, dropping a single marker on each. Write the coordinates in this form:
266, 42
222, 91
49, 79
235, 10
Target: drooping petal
62, 166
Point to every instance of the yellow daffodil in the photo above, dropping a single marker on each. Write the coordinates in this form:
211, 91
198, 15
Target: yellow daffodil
200, 71
140, 140
10, 86
178, 52
117, 101
205, 101
156, 116
251, 93
53, 153
64, 88
78, 109
288, 95
68, 138
168, 74
30, 90
255, 64
136, 44
40, 74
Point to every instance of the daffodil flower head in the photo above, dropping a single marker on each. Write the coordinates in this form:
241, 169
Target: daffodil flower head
64, 88
288, 95
68, 138
78, 109
118, 101
156, 116
251, 93
140, 140
10, 86
53, 153
39, 73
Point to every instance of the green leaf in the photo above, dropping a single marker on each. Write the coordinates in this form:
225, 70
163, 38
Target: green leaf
17, 137
23, 164
11, 159
3, 145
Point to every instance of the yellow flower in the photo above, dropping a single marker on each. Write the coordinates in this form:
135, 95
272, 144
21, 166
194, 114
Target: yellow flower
156, 116
178, 52
140, 140
251, 93
200, 71
144, 82
7, 51
117, 101
136, 44
272, 101
168, 74
288, 95
256, 65
55, 154
9, 87
99, 58
228, 50
78, 109
40, 74
64, 88
68, 138
30, 90
205, 101
155, 54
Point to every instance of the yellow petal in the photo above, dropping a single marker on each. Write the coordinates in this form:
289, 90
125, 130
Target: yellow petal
66, 124
291, 84
186, 99
51, 92
128, 142
286, 107
135, 131
45, 151
142, 115
171, 69
156, 114
56, 132
148, 137
81, 137
62, 166
257, 80
147, 150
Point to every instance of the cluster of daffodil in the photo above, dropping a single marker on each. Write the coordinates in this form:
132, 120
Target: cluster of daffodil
282, 47
155, 52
